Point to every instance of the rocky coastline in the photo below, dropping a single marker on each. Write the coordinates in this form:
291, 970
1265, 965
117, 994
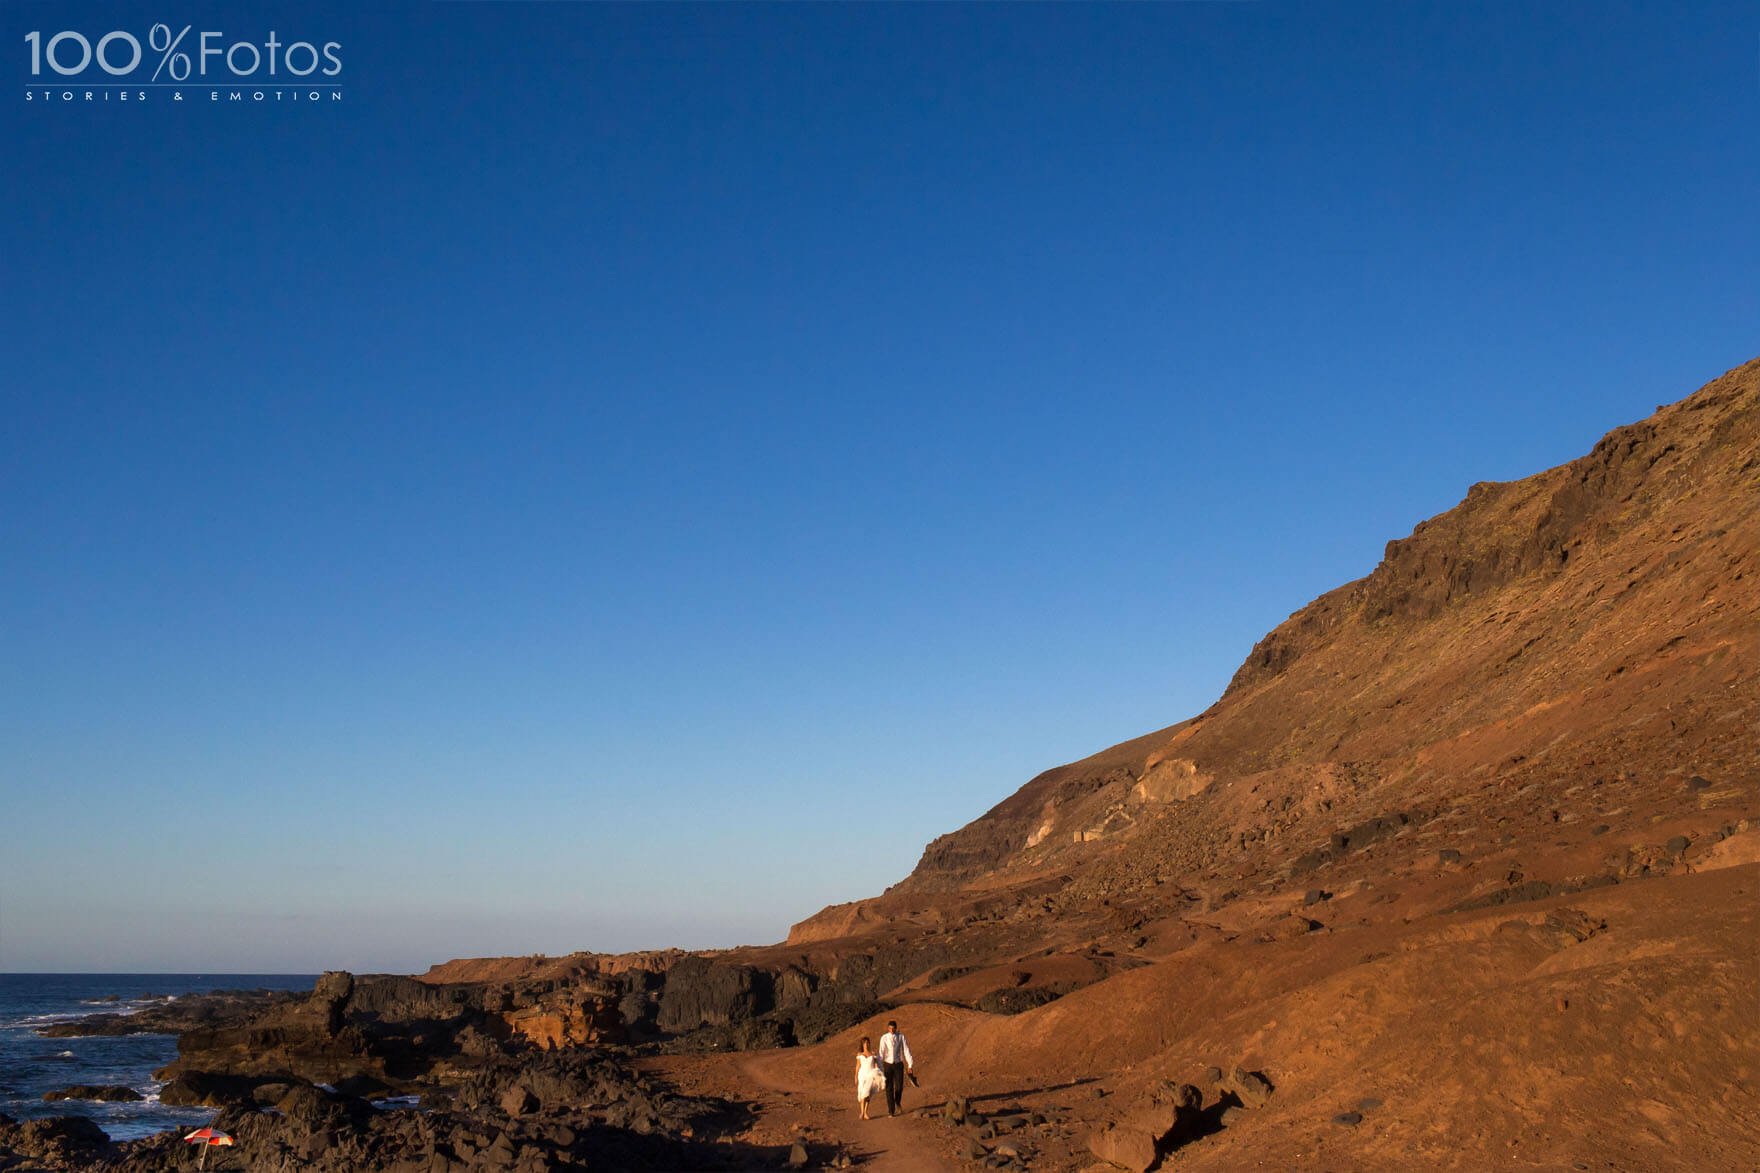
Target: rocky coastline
397, 1074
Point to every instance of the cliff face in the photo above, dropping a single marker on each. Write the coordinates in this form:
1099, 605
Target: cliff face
1555, 616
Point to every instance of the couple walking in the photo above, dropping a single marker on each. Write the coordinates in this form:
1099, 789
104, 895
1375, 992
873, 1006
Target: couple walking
886, 1068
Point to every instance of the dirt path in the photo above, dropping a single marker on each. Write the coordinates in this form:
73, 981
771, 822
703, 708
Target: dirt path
907, 1143
808, 1094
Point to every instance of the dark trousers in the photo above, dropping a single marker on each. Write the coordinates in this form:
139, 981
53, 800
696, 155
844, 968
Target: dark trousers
894, 1073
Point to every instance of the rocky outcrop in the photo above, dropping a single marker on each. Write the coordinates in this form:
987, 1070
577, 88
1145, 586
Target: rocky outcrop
385, 1034
1171, 1116
54, 1142
175, 1015
572, 1016
109, 1093
700, 991
550, 1114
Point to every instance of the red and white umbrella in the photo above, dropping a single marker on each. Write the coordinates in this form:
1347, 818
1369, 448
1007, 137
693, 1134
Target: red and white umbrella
206, 1137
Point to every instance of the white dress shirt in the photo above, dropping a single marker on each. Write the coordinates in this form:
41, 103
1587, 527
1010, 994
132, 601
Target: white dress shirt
892, 1045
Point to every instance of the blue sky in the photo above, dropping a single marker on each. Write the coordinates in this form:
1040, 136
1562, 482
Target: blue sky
630, 475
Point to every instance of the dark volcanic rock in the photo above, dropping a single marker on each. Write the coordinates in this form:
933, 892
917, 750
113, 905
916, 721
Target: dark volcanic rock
1021, 1000
795, 1026
204, 1089
1358, 837
108, 1092
518, 1100
368, 1036
189, 1012
330, 996
55, 1142
1520, 893
700, 991
570, 1111
817, 1022
639, 1003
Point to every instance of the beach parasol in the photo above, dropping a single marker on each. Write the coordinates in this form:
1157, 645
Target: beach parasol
206, 1137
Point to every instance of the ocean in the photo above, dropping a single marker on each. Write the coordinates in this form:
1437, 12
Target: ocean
31, 1065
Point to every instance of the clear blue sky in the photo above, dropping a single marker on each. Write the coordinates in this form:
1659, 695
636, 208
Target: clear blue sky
630, 475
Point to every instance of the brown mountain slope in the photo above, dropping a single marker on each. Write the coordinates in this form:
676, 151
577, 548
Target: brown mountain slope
1599, 616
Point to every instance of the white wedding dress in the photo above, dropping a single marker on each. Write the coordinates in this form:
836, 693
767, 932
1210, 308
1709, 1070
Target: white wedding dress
870, 1080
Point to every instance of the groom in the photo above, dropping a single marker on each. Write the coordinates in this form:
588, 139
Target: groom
895, 1062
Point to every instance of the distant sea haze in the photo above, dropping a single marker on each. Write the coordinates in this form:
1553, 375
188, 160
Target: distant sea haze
31, 1065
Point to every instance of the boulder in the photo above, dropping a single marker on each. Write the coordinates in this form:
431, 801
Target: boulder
1251, 1086
1156, 1119
1124, 1146
1181, 1095
1171, 1116
518, 1100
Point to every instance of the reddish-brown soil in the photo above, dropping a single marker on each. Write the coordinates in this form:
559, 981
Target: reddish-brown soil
1494, 1039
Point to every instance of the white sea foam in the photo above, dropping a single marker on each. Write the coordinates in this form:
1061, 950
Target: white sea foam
393, 1103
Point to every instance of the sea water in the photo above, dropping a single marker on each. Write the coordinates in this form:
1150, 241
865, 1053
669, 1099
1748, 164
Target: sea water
31, 1065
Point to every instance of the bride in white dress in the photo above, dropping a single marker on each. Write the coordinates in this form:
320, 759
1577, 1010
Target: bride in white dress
869, 1077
